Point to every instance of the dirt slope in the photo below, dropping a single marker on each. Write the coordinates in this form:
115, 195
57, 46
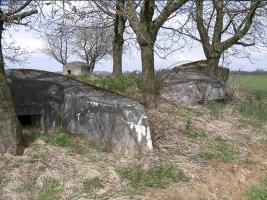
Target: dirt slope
223, 156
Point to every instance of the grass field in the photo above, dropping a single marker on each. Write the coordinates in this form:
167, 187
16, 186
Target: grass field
255, 105
252, 83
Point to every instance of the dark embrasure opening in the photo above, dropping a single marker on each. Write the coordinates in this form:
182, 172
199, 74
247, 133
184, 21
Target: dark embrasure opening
30, 120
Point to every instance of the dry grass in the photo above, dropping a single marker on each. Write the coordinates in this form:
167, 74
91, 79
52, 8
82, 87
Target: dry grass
87, 171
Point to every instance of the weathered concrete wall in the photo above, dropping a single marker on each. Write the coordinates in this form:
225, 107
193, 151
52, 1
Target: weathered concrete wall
34, 97
191, 84
107, 122
106, 118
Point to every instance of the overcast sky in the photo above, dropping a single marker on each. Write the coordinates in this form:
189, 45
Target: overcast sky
31, 41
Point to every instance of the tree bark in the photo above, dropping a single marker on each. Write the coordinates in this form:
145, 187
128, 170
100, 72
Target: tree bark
214, 70
10, 131
92, 65
148, 75
213, 64
146, 30
119, 27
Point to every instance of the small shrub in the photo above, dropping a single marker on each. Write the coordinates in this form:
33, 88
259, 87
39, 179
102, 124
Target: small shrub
219, 149
4, 159
28, 138
201, 198
49, 191
134, 174
83, 146
264, 181
60, 139
3, 181
207, 155
159, 176
216, 110
128, 191
92, 184
258, 192
162, 176
188, 125
224, 153
26, 185
190, 132
96, 146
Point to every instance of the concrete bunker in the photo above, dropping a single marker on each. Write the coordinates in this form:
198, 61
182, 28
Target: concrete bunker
192, 83
76, 68
50, 101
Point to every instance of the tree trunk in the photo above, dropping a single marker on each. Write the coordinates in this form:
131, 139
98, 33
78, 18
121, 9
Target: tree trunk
213, 63
87, 59
10, 132
92, 65
148, 75
119, 27
215, 71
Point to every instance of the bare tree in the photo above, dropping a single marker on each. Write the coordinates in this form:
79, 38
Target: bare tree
92, 44
13, 53
57, 44
223, 24
146, 26
10, 132
78, 30
116, 10
56, 31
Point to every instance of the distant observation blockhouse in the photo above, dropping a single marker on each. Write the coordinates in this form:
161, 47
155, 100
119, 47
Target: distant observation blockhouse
76, 68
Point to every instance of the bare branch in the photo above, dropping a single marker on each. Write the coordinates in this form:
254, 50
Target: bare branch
168, 10
19, 17
8, 14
